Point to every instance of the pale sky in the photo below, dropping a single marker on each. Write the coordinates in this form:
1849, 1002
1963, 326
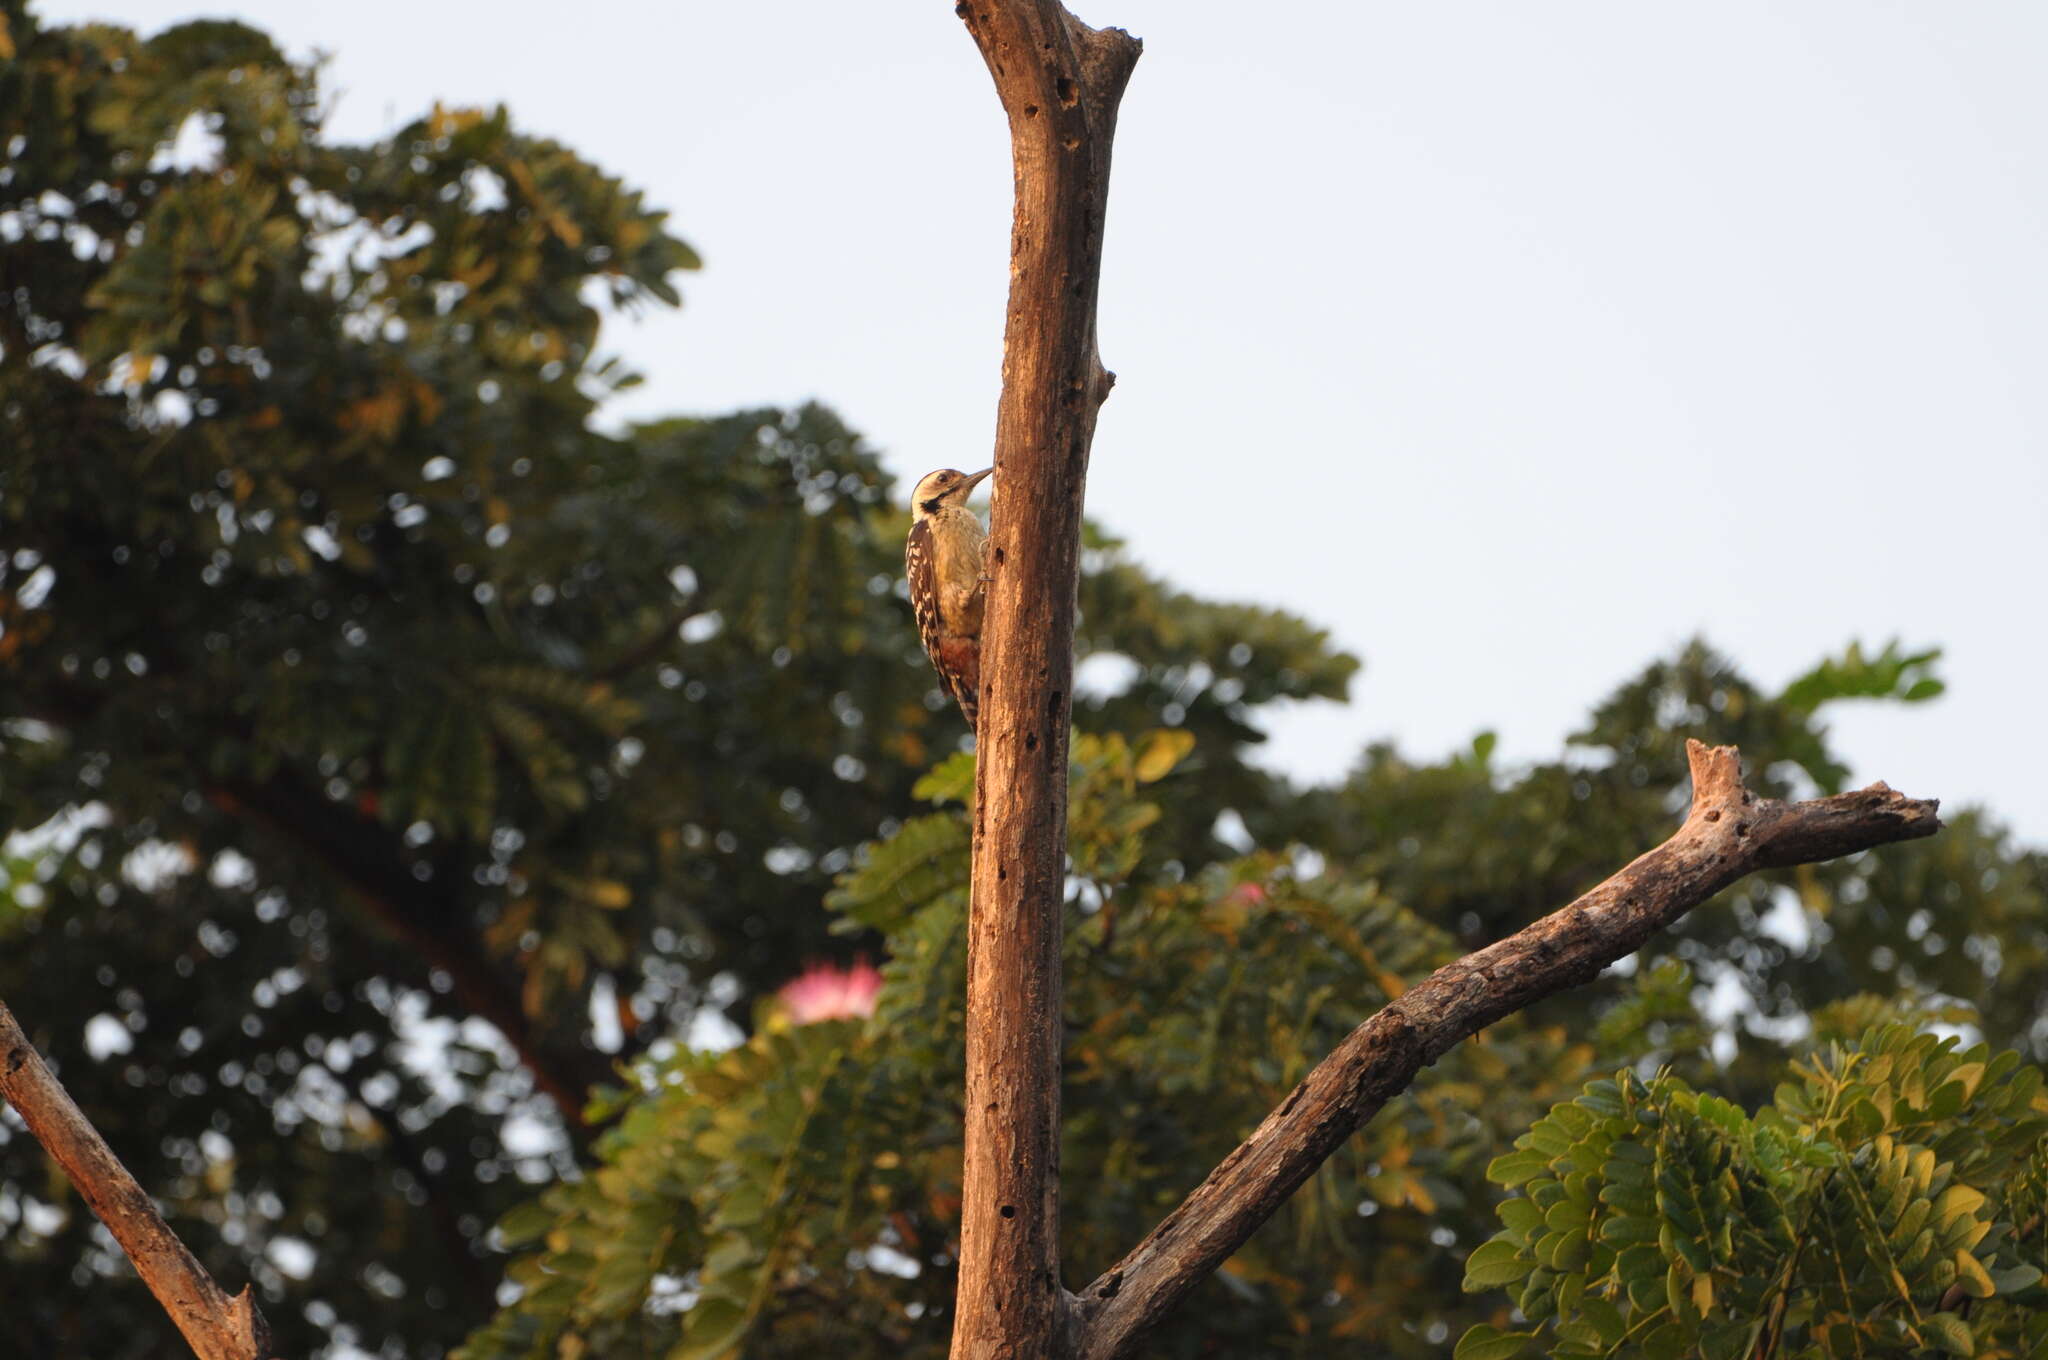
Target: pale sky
1514, 343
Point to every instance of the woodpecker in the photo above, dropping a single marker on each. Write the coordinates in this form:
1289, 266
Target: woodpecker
947, 587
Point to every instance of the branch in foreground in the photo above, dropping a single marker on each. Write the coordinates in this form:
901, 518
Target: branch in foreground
215, 1326
1728, 833
1059, 82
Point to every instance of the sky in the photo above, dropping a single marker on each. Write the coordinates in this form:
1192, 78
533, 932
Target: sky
1515, 344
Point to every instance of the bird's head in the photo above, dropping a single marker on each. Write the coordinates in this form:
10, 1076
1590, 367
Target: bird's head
947, 486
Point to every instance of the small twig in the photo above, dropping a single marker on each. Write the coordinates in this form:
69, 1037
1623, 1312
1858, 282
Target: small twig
1730, 832
216, 1326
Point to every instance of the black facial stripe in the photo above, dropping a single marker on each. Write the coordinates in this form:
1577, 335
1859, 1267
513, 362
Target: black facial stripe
931, 506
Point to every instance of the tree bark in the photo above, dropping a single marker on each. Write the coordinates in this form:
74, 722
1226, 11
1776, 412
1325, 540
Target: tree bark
1059, 82
1728, 833
216, 1326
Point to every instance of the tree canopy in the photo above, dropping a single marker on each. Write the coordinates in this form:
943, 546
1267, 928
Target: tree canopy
404, 770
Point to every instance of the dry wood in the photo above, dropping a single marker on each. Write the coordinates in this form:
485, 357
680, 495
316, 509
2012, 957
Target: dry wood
1059, 81
1728, 833
216, 1326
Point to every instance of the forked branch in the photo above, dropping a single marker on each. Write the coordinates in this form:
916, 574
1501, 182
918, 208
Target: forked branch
1060, 82
216, 1326
1728, 833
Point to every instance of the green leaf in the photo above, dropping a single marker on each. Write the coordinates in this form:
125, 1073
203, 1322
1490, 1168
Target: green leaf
1950, 1333
1521, 1215
1605, 1317
1622, 1229
949, 781
1666, 1342
527, 1223
1487, 1342
1976, 1280
1494, 1264
1517, 1168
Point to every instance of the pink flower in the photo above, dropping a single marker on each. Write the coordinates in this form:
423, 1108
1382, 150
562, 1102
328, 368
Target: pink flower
1250, 894
824, 992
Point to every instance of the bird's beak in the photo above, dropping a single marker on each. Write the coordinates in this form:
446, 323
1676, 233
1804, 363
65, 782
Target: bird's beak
974, 480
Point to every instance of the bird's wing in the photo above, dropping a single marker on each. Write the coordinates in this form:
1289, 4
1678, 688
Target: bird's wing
955, 659
920, 562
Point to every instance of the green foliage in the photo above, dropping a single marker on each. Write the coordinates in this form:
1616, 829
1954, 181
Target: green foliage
1892, 674
448, 721
1482, 851
1196, 1004
1657, 1016
1197, 999
720, 1174
376, 723
1872, 1209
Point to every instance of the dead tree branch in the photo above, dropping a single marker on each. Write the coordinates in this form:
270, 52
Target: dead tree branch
1060, 82
216, 1326
1728, 833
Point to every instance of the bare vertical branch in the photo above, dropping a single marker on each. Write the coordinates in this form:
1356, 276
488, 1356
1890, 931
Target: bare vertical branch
216, 1326
1060, 82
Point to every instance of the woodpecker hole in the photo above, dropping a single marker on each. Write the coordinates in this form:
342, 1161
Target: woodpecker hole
1052, 703
1002, 874
1000, 557
1072, 143
1714, 816
1031, 741
1064, 88
1009, 1211
1742, 828
1031, 110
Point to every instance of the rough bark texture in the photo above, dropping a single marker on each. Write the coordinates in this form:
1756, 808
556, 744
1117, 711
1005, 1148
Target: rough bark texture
216, 1326
1728, 833
1059, 82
